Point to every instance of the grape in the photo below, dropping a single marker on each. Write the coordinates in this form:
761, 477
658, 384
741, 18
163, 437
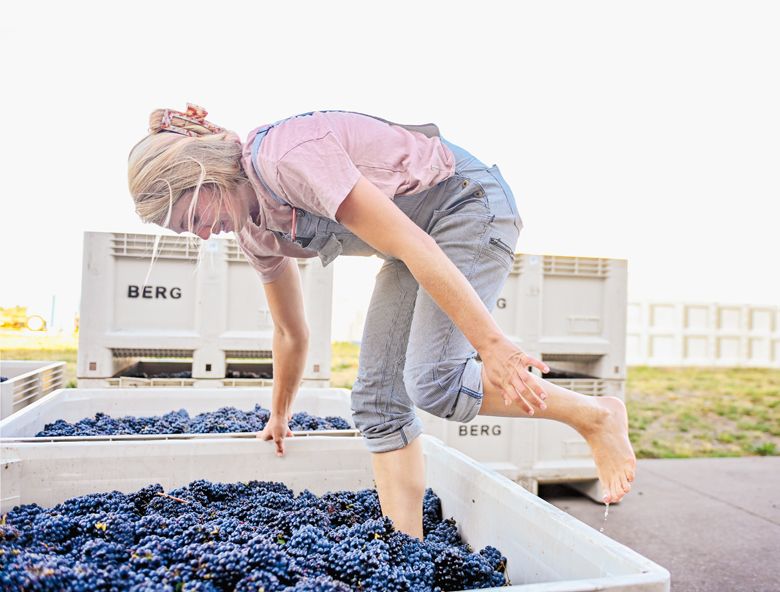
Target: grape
247, 537
222, 421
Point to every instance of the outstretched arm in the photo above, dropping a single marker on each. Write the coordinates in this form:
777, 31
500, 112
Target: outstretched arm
368, 213
290, 346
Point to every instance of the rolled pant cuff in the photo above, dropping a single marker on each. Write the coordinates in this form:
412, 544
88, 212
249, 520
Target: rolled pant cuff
469, 398
395, 440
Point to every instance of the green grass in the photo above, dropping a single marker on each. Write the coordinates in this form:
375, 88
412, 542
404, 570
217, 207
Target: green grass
343, 364
710, 412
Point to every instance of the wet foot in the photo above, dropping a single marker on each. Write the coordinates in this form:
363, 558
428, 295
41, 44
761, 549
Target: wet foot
612, 451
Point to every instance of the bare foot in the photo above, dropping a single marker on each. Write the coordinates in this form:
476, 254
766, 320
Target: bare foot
612, 451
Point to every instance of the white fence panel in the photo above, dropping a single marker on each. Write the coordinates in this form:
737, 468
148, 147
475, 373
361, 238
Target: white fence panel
703, 334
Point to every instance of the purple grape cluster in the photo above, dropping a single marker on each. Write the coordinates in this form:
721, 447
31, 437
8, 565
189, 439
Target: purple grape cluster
188, 374
247, 374
222, 421
140, 374
247, 537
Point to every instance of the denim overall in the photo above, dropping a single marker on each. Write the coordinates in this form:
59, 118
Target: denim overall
411, 353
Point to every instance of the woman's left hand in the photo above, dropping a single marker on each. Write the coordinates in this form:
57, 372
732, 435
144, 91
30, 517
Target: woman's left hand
277, 429
506, 367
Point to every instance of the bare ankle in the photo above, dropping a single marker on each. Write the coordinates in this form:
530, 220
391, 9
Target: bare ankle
594, 420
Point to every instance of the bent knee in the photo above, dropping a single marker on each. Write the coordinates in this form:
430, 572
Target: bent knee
447, 390
386, 436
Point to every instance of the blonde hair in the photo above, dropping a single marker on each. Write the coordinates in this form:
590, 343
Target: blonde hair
164, 166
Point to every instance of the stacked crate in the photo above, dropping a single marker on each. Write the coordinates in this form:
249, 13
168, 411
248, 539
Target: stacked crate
199, 307
569, 312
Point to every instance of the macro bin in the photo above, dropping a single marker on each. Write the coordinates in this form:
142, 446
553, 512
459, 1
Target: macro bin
547, 550
569, 310
199, 303
74, 404
27, 382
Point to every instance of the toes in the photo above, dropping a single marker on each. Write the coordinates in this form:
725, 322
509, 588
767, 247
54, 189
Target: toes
625, 485
631, 473
617, 490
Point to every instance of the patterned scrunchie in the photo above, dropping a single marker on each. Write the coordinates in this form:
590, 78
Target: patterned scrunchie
190, 123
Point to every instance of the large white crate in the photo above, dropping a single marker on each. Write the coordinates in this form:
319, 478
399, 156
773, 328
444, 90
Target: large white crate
568, 309
27, 382
703, 334
203, 302
547, 550
571, 313
74, 404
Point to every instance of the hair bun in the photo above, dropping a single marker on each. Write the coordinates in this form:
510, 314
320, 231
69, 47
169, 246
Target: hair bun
196, 112
191, 123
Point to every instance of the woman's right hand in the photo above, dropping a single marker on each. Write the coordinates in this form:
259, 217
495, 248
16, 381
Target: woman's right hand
277, 429
506, 366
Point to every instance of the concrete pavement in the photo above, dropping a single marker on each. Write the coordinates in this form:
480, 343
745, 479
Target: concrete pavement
714, 523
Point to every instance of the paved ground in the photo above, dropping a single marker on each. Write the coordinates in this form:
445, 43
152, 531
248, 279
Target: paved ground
714, 523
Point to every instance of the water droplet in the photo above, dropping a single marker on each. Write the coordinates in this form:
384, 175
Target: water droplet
606, 513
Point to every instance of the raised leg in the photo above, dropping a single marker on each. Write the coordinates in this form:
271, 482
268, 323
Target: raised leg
602, 421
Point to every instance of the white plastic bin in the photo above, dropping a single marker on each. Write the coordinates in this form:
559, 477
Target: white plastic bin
571, 313
27, 382
202, 303
74, 404
568, 309
547, 550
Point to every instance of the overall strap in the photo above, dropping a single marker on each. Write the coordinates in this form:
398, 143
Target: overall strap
255, 150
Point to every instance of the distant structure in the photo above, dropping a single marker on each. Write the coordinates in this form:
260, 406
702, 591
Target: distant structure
703, 334
17, 319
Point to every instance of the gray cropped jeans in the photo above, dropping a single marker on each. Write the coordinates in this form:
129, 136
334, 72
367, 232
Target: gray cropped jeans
412, 354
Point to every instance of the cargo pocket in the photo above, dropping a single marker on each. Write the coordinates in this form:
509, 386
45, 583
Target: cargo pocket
498, 249
470, 201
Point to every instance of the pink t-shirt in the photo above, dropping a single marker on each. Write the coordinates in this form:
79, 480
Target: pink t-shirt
313, 162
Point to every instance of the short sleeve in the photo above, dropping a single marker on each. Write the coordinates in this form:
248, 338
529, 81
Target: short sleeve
261, 249
317, 175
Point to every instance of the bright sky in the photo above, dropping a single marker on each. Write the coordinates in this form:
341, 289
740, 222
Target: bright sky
647, 131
